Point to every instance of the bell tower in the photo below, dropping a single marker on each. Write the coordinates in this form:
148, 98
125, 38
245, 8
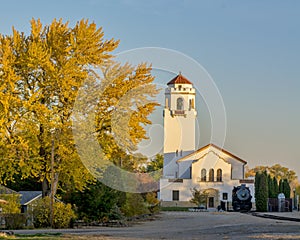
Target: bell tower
179, 123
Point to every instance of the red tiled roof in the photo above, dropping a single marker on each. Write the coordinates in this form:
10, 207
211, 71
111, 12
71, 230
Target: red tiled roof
179, 79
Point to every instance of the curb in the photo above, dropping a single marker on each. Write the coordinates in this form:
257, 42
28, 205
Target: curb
264, 215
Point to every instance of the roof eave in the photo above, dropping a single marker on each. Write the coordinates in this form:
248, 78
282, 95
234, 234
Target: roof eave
215, 146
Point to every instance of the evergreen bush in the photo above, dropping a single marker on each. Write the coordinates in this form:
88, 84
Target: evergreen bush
134, 205
261, 191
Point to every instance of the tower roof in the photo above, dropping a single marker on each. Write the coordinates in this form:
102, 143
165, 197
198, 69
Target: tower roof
179, 79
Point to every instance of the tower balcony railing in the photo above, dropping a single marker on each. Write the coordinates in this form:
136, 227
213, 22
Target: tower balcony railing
179, 112
183, 90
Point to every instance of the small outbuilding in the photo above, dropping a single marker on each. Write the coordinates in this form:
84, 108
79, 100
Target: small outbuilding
28, 198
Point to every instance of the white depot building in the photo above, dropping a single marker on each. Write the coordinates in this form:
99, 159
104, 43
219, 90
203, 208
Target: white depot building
209, 168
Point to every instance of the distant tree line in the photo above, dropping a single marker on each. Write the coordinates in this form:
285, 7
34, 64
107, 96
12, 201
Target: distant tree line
277, 171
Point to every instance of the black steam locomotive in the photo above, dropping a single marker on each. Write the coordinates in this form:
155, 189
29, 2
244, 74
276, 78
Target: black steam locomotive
241, 198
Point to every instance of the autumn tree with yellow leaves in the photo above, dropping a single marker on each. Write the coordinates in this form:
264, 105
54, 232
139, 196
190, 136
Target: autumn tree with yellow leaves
40, 76
277, 171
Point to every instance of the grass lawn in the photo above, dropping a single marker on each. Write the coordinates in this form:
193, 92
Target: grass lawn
55, 236
49, 236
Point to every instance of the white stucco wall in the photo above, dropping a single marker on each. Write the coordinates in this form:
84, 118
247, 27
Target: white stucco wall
212, 157
211, 161
179, 131
179, 127
185, 189
208, 158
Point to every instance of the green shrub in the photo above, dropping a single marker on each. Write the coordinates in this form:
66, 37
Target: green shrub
41, 213
15, 220
98, 203
152, 202
134, 205
115, 213
62, 214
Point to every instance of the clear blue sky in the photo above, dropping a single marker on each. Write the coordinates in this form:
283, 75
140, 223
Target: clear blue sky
250, 48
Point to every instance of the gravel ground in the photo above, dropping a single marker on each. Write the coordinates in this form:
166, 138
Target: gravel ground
191, 225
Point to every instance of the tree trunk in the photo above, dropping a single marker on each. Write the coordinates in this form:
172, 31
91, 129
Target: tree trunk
55, 183
42, 153
45, 188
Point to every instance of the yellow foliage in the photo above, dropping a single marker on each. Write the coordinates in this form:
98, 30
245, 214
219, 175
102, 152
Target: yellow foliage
277, 171
40, 76
12, 204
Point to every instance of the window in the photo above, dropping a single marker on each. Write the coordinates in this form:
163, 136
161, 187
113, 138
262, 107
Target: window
219, 175
211, 175
191, 104
175, 195
225, 196
203, 175
179, 104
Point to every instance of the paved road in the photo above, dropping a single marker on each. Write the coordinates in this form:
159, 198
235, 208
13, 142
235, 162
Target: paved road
196, 225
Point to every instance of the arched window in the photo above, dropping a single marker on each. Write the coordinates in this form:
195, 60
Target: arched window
180, 104
211, 175
219, 175
203, 175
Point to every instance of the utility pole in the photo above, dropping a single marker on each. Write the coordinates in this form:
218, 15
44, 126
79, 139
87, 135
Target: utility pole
52, 181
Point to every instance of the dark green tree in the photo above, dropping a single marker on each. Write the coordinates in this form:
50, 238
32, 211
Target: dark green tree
261, 191
134, 205
97, 202
256, 184
286, 188
275, 187
271, 187
280, 187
